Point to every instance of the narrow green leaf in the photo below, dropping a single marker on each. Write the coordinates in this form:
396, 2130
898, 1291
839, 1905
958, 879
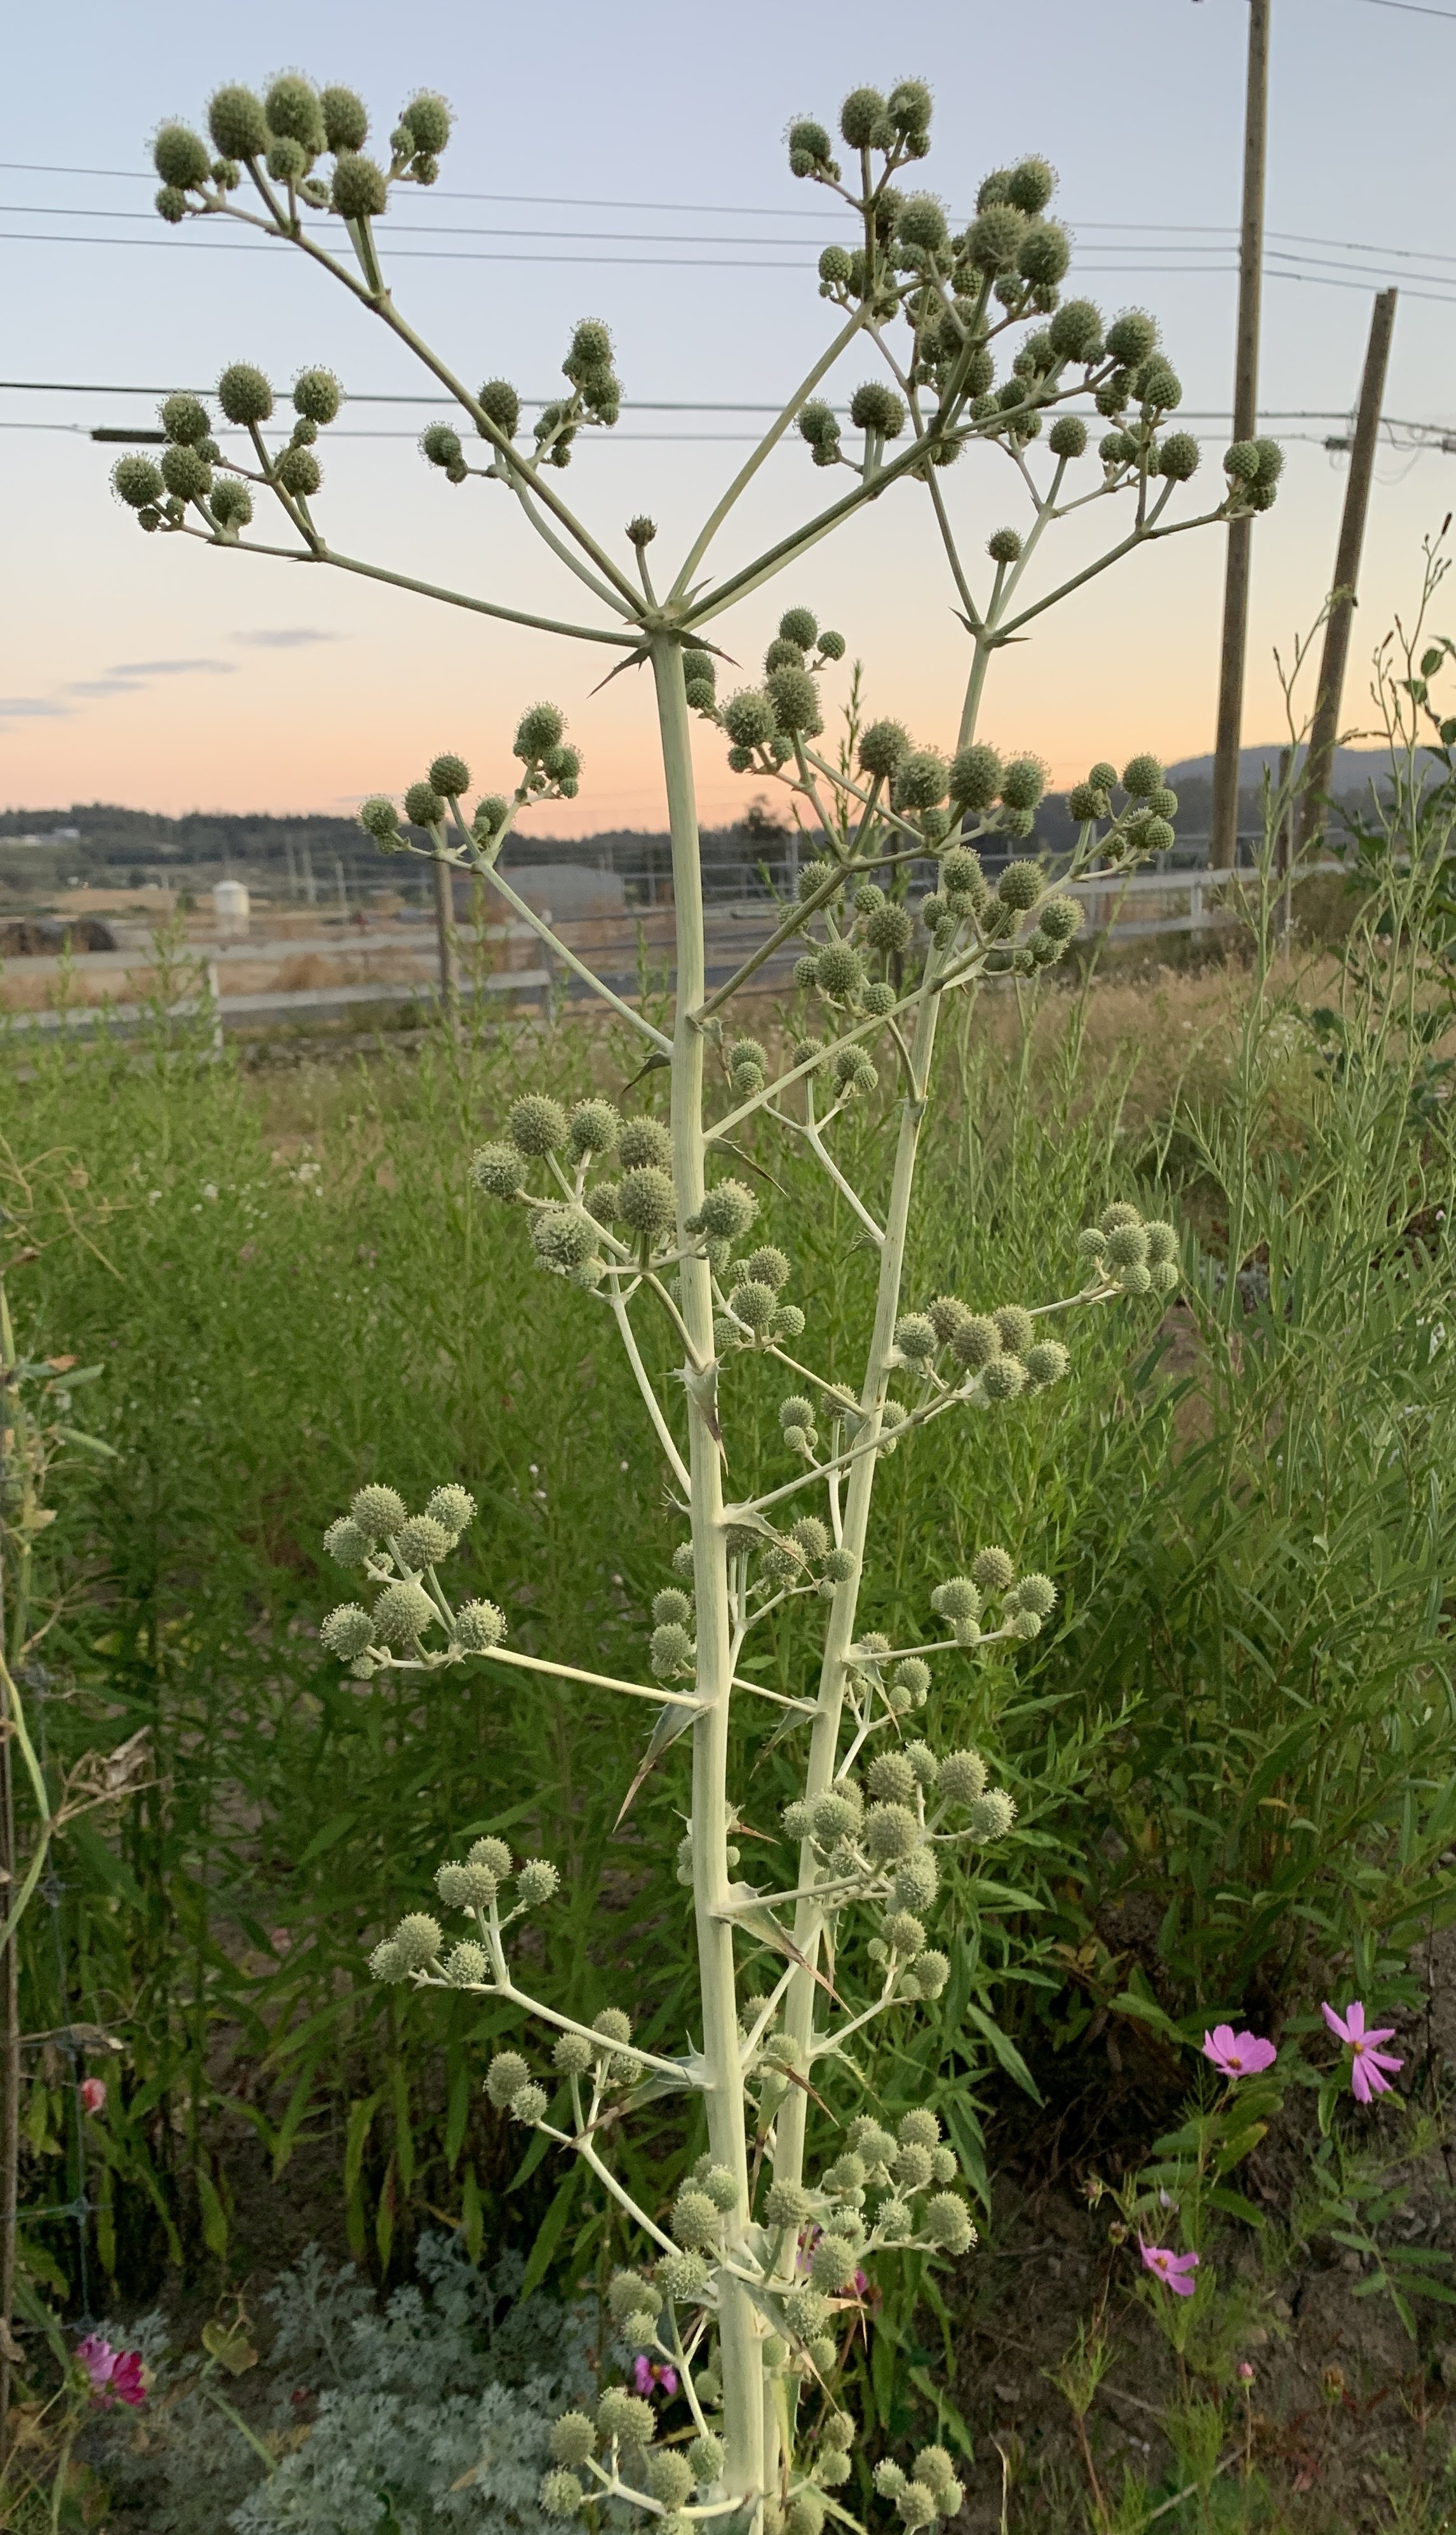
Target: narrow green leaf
326, 1838
459, 2112
472, 2215
214, 2216
548, 2234
361, 2116
1004, 2048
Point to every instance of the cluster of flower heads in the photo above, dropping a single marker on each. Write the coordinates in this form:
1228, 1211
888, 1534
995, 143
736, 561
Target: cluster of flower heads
615, 2447
595, 398
602, 2055
627, 1217
399, 1551
551, 772
958, 287
415, 1949
808, 2244
763, 722
883, 1849
1026, 1601
280, 136
1122, 1250
997, 1354
186, 477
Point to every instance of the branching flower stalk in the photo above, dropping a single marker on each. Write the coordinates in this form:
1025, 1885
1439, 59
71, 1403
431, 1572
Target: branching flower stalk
747, 2282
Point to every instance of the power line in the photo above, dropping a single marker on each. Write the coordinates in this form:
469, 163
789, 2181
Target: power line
1413, 9
1148, 230
440, 403
716, 264
638, 237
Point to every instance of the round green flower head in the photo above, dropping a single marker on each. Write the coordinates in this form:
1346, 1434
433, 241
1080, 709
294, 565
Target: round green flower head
921, 223
316, 394
237, 123
537, 1124
647, 1202
137, 481
1133, 338
1075, 332
377, 1511
360, 190
449, 776
347, 1632
810, 146
993, 238
244, 394
184, 419
876, 407
920, 781
428, 120
232, 506
421, 1540
1067, 437
1141, 776
291, 107
423, 807
1024, 782
726, 1211
504, 2078
801, 625
539, 1881
500, 1170
299, 472
976, 776
539, 729
749, 719
402, 1613
345, 117
819, 424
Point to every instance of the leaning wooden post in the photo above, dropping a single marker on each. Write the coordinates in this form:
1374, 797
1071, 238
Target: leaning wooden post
1324, 729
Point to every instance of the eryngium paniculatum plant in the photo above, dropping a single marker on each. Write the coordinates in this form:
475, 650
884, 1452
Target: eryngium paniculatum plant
753, 2279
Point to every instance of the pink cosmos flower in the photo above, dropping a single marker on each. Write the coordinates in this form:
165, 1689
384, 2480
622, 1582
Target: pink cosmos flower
1175, 2270
1367, 2064
1238, 2055
93, 2094
127, 2380
647, 2376
115, 2375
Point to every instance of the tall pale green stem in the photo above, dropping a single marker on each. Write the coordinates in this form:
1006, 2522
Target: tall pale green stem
740, 2344
839, 1636
809, 1919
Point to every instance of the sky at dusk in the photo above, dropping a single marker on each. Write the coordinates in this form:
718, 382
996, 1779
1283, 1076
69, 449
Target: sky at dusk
624, 158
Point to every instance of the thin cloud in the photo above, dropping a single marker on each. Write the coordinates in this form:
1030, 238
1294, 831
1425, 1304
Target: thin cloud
174, 668
286, 638
28, 708
103, 687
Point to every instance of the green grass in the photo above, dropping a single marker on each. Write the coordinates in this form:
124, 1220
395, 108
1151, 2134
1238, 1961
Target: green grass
1231, 1750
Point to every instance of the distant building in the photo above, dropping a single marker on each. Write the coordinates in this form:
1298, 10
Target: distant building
572, 892
230, 905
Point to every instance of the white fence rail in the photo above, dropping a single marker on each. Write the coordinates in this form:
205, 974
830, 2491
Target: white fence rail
621, 947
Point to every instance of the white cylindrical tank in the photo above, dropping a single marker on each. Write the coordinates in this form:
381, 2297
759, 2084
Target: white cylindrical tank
230, 905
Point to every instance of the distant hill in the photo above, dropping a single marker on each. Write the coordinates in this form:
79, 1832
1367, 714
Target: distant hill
1351, 770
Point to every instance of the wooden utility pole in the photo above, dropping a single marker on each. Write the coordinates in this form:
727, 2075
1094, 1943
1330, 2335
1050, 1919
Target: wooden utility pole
1324, 729
1223, 822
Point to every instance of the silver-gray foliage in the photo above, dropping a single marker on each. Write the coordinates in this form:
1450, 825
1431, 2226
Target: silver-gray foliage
433, 2415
